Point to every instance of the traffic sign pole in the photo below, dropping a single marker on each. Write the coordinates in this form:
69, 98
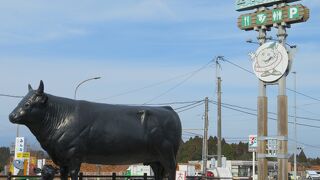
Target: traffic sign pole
253, 143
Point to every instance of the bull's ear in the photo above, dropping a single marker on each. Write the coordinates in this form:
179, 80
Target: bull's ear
29, 87
44, 99
41, 88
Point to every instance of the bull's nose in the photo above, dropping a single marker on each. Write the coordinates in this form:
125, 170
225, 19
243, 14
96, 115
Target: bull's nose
12, 116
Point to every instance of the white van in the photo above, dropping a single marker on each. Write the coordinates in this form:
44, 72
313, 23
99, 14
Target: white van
310, 174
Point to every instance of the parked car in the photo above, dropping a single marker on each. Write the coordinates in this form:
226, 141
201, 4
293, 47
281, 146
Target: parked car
291, 176
310, 174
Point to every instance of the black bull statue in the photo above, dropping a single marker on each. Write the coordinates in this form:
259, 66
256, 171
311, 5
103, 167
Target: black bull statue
73, 131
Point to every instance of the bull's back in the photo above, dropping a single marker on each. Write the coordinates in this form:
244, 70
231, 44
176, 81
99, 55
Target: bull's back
128, 134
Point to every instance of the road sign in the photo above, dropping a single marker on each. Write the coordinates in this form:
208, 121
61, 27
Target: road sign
272, 147
23, 155
19, 148
243, 5
180, 175
253, 143
288, 14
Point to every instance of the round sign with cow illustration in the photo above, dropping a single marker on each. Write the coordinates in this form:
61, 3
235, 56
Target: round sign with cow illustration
270, 61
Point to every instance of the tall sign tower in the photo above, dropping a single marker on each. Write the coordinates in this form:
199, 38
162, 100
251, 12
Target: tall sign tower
271, 64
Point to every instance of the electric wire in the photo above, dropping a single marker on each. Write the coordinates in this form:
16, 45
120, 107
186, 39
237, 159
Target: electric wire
302, 94
185, 106
192, 107
304, 144
180, 83
11, 96
191, 133
255, 110
172, 103
253, 114
145, 87
223, 59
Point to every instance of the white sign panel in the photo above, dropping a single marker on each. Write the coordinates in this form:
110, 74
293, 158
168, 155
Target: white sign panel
19, 148
19, 145
270, 61
180, 175
253, 143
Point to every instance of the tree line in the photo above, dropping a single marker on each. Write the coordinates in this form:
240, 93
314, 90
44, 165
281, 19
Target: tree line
192, 150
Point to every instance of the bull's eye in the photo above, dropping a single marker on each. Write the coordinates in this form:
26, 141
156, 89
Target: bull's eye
27, 105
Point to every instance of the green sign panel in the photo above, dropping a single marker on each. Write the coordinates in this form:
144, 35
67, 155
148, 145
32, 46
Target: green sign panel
288, 14
277, 15
261, 18
246, 21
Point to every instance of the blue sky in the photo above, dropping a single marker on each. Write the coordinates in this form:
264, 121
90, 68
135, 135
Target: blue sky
132, 44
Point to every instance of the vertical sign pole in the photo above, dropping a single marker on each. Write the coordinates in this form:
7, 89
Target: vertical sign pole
262, 121
282, 117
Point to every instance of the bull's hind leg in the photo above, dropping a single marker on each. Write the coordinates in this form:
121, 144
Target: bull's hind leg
168, 159
158, 170
74, 169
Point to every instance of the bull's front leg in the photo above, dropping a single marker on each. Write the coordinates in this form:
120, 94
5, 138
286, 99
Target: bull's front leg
64, 170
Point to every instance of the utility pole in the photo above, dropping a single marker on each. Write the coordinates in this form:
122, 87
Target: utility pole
218, 110
205, 138
295, 127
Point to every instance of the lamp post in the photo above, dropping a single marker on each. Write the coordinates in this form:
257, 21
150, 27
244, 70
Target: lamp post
75, 91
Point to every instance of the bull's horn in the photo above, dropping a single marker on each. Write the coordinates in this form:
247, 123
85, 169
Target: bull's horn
41, 88
29, 87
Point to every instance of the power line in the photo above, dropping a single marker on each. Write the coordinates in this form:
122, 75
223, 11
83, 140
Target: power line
302, 94
11, 96
316, 99
304, 144
223, 59
192, 73
180, 83
182, 107
253, 114
146, 87
255, 110
190, 107
191, 133
177, 102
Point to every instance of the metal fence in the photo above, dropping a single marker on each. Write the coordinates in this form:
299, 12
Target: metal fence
114, 176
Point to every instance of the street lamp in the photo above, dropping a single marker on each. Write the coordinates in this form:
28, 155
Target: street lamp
75, 91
